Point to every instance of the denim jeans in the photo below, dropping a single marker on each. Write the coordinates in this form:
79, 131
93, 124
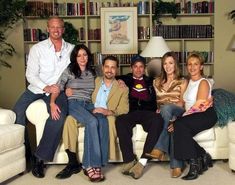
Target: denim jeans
168, 111
53, 128
96, 139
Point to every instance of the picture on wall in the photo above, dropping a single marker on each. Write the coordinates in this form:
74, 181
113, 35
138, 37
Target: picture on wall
119, 30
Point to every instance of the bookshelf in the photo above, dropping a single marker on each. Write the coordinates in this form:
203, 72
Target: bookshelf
85, 16
192, 30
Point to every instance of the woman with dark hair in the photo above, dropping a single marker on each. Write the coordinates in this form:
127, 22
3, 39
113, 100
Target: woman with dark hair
199, 116
79, 81
169, 88
75, 66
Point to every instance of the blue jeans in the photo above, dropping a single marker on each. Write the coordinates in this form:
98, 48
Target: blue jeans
96, 139
168, 111
53, 128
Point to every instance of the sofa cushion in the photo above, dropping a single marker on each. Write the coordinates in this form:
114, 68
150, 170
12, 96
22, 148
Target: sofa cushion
11, 137
12, 156
139, 134
206, 135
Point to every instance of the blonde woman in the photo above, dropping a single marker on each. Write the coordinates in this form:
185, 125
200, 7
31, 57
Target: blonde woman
199, 116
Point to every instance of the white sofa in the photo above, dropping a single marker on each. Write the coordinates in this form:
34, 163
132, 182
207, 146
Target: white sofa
12, 149
214, 140
231, 133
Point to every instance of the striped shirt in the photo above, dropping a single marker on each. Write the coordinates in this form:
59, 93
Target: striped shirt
82, 86
170, 95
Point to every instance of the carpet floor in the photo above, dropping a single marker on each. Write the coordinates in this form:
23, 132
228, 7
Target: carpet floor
155, 173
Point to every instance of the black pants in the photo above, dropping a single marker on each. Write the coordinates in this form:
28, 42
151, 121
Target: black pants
185, 128
151, 122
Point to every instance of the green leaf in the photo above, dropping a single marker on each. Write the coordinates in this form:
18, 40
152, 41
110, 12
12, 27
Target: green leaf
70, 33
164, 8
10, 12
4, 63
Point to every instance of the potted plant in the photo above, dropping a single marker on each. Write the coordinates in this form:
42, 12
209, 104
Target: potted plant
10, 12
70, 34
162, 7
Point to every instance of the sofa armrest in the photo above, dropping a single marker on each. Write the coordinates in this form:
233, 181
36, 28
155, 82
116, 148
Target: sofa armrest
37, 112
7, 116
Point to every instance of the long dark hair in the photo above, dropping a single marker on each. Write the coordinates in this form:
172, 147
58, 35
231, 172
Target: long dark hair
74, 67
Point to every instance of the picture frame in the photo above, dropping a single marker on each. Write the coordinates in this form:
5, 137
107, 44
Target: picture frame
119, 30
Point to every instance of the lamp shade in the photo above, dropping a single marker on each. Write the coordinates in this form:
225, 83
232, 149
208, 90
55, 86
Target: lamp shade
156, 47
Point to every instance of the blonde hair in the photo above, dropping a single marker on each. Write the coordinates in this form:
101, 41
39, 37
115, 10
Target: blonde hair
55, 17
198, 56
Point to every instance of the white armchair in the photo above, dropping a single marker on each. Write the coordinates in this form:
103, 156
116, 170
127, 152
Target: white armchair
12, 149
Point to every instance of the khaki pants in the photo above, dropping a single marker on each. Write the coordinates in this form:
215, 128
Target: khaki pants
70, 136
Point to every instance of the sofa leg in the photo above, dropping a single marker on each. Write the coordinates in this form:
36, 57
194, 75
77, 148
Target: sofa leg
22, 173
225, 160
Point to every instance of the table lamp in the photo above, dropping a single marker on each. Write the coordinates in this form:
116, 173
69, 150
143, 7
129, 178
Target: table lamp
155, 49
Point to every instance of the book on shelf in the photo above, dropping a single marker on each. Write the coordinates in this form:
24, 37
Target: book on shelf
94, 34
95, 5
81, 33
34, 34
190, 7
124, 59
143, 32
208, 56
183, 31
74, 9
39, 8
69, 9
143, 7
60, 9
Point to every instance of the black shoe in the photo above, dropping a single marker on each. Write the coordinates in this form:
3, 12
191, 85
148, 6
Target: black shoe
69, 170
200, 166
206, 161
193, 170
38, 168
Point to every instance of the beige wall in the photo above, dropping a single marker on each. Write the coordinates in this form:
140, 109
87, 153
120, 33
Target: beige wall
224, 70
12, 83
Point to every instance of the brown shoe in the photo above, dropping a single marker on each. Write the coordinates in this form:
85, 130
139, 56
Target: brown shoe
156, 154
176, 172
127, 166
137, 171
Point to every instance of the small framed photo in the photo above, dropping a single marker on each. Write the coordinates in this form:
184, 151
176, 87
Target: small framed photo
119, 30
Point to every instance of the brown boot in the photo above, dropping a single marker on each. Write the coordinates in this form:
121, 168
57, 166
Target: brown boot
176, 172
156, 154
137, 171
127, 166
